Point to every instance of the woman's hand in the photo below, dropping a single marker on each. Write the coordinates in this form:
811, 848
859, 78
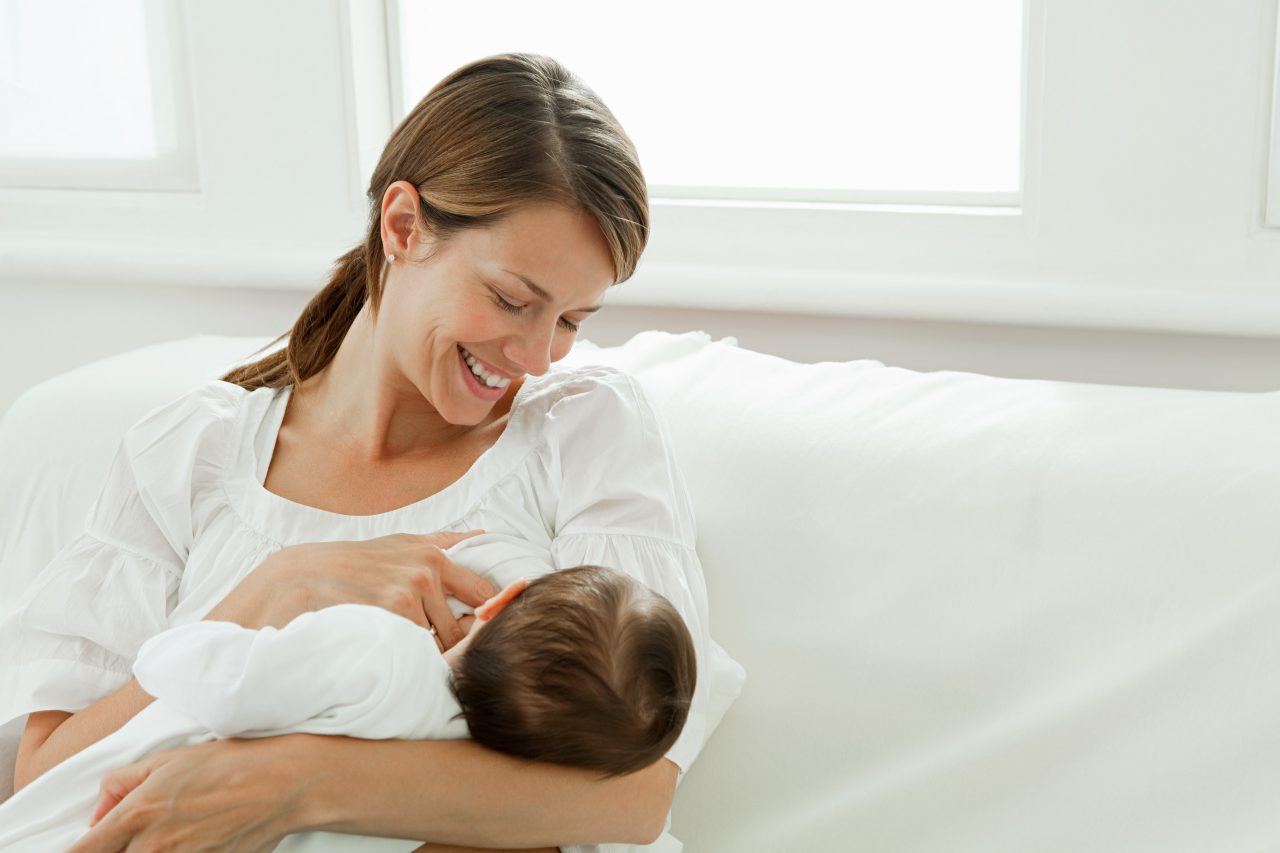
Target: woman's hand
225, 795
406, 573
455, 848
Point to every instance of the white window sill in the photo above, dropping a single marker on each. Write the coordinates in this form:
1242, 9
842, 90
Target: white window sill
1198, 307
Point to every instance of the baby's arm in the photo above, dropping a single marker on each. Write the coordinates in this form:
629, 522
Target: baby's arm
350, 669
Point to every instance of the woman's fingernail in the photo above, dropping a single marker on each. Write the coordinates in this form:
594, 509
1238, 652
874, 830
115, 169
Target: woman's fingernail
487, 590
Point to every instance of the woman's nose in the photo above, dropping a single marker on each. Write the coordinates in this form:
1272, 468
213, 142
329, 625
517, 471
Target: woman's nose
532, 350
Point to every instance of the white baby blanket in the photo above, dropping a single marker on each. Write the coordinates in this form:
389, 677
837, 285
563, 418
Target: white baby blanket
350, 669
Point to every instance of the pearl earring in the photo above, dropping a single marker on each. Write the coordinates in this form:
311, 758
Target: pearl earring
391, 259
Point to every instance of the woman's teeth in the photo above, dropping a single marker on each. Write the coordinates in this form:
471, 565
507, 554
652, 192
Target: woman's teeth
483, 375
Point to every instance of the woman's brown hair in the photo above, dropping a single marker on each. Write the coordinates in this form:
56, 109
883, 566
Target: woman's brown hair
499, 132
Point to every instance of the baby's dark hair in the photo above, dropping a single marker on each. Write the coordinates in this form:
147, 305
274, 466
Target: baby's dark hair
588, 667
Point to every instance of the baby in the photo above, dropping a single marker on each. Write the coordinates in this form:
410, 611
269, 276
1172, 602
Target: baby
588, 667
585, 667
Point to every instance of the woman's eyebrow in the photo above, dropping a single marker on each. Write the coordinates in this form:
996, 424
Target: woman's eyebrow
546, 297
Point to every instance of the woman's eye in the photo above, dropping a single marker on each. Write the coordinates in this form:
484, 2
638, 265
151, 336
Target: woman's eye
508, 306
517, 309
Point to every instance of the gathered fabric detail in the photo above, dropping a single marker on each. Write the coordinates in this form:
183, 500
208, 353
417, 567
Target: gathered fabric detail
75, 632
105, 595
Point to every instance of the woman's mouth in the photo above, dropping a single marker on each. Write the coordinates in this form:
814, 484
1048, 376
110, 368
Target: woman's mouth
479, 384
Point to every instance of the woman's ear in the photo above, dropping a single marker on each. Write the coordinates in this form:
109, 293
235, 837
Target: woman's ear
498, 603
399, 213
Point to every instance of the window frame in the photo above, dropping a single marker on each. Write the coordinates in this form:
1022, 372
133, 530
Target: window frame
1101, 239
1271, 213
175, 169
887, 201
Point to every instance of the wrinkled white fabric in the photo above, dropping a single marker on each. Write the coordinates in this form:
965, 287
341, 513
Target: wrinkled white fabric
350, 669
582, 473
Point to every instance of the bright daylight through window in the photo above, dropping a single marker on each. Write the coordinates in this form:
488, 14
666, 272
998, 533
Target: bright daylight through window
93, 94
724, 100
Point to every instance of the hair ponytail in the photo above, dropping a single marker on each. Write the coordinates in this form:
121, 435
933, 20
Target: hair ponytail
317, 333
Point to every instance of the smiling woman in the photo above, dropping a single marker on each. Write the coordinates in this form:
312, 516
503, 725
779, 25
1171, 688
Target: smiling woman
409, 403
539, 217
436, 301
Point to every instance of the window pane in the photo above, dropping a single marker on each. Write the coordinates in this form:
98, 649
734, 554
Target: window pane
75, 80
865, 95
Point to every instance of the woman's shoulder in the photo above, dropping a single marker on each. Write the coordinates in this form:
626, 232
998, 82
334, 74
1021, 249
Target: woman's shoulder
587, 387
202, 422
592, 405
206, 405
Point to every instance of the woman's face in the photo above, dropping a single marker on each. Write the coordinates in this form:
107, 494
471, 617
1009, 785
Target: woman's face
433, 310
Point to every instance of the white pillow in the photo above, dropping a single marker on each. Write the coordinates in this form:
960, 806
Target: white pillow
980, 613
58, 438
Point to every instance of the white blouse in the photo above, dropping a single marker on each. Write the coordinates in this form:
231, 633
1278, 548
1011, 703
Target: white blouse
583, 473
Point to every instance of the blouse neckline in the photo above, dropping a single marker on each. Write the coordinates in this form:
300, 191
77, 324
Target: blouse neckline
451, 501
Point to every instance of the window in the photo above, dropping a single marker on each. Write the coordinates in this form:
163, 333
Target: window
910, 101
93, 95
1271, 216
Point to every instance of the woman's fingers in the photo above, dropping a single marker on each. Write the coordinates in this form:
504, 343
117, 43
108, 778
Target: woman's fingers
459, 582
464, 584
447, 539
113, 828
432, 586
115, 786
509, 593
108, 836
407, 573
224, 795
441, 617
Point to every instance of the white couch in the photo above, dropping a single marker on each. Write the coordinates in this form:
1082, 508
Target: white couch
976, 614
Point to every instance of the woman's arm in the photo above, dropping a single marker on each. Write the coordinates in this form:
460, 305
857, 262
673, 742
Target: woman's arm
455, 848
51, 737
476, 796
252, 793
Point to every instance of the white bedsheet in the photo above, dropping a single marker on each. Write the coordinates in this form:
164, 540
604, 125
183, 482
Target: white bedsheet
350, 669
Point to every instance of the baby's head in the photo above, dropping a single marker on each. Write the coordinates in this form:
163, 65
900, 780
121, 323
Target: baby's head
587, 667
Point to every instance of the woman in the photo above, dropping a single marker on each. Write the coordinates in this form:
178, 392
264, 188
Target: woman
415, 394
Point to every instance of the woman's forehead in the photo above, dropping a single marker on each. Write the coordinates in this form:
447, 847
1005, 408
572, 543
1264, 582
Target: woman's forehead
558, 255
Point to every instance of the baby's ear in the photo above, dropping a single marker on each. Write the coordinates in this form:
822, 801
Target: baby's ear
495, 605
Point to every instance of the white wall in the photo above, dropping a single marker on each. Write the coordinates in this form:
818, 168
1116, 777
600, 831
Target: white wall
1139, 255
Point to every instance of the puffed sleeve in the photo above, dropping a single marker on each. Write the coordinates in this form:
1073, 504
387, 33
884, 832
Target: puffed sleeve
73, 635
623, 504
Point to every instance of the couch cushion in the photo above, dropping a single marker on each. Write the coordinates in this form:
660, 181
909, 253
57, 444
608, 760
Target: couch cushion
58, 438
975, 613
980, 613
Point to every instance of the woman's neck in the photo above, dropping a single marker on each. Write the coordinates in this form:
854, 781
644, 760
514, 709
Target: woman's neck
368, 408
